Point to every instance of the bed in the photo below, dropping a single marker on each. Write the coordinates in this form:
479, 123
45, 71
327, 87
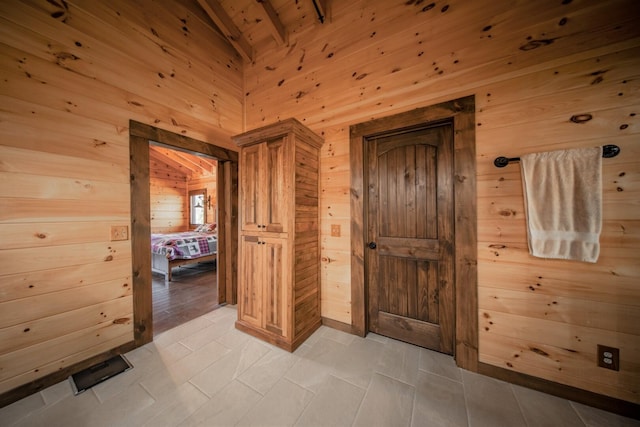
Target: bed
177, 249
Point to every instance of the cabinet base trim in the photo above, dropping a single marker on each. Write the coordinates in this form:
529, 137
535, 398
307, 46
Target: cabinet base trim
278, 340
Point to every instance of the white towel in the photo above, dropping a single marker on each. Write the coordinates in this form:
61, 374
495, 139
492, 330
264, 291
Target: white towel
563, 203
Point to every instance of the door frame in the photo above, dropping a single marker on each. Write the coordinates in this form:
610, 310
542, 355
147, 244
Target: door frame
140, 135
462, 114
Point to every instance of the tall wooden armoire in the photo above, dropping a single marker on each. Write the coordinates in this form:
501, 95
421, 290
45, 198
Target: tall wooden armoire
279, 249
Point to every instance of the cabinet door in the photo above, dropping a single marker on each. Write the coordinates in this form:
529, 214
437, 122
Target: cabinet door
250, 187
277, 186
250, 294
277, 283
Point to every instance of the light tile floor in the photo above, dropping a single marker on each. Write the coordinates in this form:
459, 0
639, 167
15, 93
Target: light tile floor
206, 373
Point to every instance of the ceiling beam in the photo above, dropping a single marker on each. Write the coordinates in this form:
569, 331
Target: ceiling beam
275, 25
203, 166
228, 28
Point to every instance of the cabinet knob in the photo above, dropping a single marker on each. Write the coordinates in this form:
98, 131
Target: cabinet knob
372, 245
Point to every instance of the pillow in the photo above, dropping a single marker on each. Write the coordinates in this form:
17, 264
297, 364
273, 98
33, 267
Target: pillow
206, 228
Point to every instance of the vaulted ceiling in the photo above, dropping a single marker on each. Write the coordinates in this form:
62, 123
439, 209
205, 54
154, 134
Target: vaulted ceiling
184, 163
253, 25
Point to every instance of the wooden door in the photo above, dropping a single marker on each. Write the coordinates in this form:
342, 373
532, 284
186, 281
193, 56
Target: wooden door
250, 303
410, 237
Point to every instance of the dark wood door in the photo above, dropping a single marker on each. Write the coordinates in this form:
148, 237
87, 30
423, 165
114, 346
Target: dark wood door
410, 237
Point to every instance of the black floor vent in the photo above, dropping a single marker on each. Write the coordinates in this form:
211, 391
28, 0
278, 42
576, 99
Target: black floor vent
96, 374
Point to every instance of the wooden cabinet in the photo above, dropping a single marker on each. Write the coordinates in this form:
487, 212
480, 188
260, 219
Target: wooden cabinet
262, 187
279, 265
263, 276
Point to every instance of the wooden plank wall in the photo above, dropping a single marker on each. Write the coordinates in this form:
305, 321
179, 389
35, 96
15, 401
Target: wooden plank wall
169, 196
73, 74
531, 66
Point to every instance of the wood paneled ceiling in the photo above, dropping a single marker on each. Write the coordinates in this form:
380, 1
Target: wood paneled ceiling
253, 25
186, 164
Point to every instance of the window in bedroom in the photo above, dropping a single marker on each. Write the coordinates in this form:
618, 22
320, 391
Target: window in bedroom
197, 207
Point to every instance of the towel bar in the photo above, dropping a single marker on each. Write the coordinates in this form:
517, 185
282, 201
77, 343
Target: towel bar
608, 151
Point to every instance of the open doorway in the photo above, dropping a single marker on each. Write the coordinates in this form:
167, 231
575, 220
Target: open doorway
184, 235
140, 137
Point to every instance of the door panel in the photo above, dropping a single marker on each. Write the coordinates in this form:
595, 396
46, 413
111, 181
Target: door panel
410, 219
275, 289
250, 303
276, 204
396, 294
250, 188
407, 187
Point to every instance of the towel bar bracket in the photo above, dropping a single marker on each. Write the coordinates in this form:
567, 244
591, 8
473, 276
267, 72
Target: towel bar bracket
501, 162
608, 151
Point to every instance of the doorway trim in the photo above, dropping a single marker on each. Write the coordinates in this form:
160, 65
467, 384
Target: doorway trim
462, 113
140, 135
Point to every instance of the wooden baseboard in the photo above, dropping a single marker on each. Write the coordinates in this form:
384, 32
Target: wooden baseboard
25, 390
341, 326
611, 404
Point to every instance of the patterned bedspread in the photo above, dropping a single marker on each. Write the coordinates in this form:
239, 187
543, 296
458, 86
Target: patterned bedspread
186, 245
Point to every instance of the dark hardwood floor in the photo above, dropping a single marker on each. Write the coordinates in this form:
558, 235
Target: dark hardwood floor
192, 293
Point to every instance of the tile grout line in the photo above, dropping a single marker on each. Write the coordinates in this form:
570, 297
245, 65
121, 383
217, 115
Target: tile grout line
364, 397
96, 395
249, 385
308, 403
571, 403
199, 389
413, 405
515, 395
440, 375
466, 402
155, 399
346, 380
413, 408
